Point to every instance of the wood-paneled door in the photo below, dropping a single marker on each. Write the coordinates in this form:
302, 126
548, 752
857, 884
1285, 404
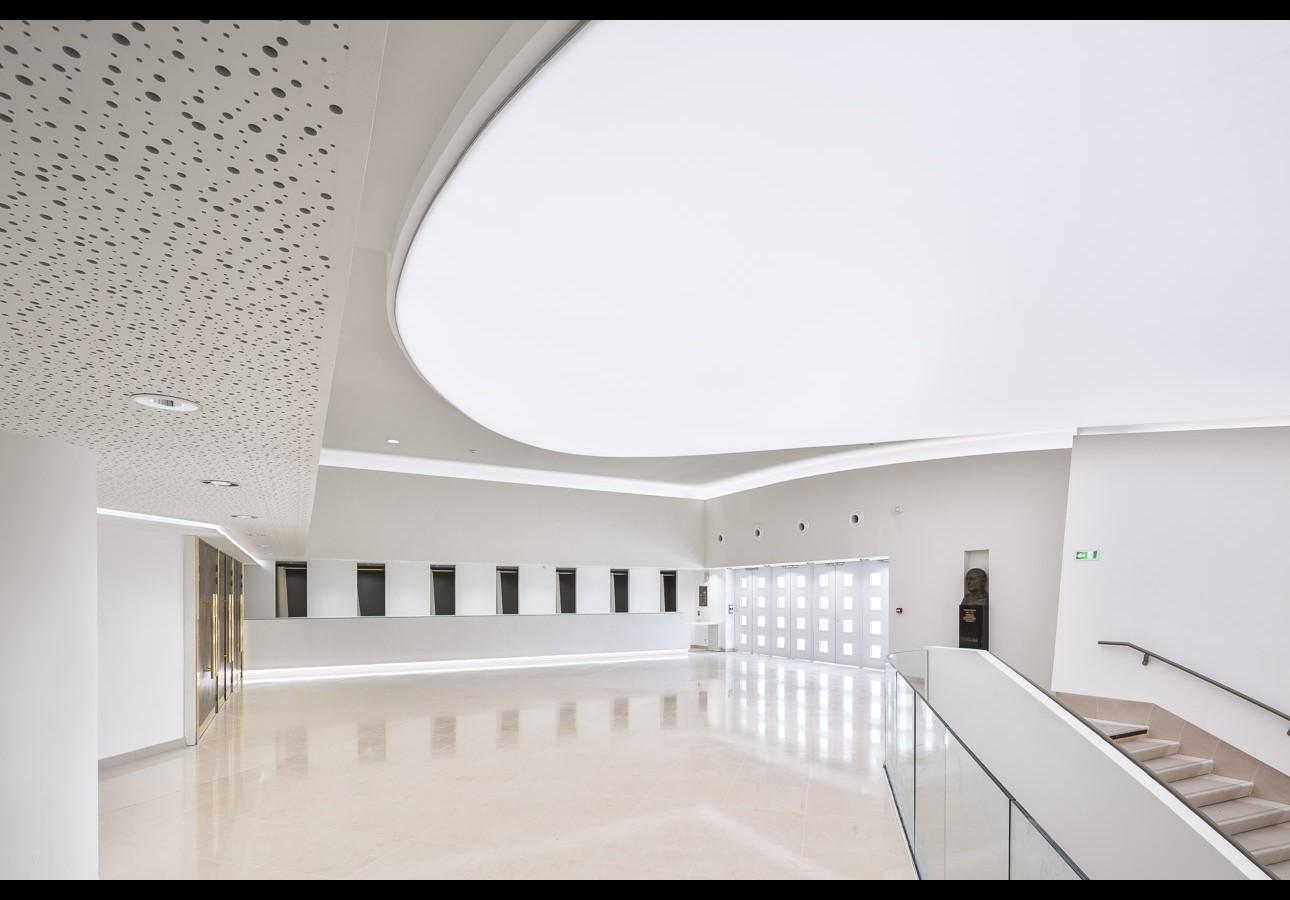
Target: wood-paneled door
207, 618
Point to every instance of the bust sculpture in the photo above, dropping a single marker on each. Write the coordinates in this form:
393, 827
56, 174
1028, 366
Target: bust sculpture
976, 591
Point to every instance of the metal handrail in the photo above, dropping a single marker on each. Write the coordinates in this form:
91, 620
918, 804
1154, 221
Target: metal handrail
1147, 656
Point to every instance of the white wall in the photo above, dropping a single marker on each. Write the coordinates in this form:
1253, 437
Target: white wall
644, 590
1012, 504
384, 516
332, 586
379, 641
49, 811
407, 589
259, 591
539, 590
142, 595
476, 589
594, 590
1191, 530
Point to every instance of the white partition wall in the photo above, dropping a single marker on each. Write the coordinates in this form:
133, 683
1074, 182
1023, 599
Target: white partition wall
594, 594
476, 589
142, 597
1191, 530
407, 589
644, 592
539, 590
259, 592
49, 808
333, 588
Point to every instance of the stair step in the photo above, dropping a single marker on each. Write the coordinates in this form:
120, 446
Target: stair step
1176, 767
1202, 790
1247, 814
1281, 870
1144, 748
1115, 730
1269, 845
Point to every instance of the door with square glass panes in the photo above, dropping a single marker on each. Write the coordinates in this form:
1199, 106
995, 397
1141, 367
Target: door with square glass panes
801, 642
743, 580
761, 631
873, 595
781, 624
823, 631
848, 613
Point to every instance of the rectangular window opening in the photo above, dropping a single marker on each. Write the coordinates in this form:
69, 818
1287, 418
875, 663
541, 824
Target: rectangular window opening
508, 590
568, 579
443, 587
292, 582
669, 591
371, 589
618, 584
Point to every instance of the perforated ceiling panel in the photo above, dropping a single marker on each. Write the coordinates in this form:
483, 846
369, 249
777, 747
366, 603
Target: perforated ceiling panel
177, 207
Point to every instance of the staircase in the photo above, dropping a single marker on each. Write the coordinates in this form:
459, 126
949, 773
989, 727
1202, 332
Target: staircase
1261, 826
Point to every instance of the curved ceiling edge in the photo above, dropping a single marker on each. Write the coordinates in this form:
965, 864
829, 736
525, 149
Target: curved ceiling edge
522, 51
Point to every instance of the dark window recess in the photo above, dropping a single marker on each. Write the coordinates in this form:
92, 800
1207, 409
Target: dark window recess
371, 590
508, 591
291, 590
618, 583
444, 585
669, 591
568, 590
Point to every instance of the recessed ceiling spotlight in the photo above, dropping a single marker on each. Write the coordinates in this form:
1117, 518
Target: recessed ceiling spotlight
219, 482
164, 401
242, 516
391, 440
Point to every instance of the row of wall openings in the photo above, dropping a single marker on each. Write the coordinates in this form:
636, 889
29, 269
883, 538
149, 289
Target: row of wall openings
292, 590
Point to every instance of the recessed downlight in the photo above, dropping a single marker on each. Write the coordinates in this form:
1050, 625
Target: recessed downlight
219, 482
164, 401
242, 516
391, 440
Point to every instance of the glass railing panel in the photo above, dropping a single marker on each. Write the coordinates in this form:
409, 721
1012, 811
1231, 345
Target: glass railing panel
1032, 856
899, 745
912, 664
976, 819
929, 793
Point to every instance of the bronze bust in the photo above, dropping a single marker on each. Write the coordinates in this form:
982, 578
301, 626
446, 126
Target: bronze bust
976, 584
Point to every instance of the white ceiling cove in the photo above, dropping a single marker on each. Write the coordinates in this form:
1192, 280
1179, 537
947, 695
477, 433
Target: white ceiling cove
220, 210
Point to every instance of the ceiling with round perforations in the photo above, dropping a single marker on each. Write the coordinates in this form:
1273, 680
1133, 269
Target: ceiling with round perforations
177, 210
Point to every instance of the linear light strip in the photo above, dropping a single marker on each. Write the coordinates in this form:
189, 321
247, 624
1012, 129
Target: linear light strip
185, 523
868, 457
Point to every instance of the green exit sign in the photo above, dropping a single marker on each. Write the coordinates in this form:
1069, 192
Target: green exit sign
1086, 554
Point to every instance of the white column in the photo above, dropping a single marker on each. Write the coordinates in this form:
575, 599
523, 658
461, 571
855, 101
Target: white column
539, 590
407, 589
49, 815
594, 595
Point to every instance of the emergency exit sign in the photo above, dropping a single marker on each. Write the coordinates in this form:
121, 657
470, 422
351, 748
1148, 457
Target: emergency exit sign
1086, 554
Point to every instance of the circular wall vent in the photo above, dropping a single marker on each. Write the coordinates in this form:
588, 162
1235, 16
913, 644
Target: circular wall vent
803, 526
721, 538
856, 518
757, 532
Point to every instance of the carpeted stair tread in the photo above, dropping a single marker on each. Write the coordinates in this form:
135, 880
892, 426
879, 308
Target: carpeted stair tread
1268, 845
1247, 814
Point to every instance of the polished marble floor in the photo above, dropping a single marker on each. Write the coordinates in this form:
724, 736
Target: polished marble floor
692, 766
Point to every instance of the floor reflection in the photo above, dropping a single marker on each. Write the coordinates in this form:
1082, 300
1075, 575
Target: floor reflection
733, 767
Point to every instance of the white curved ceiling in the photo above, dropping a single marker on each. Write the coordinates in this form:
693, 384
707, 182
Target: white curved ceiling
835, 233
